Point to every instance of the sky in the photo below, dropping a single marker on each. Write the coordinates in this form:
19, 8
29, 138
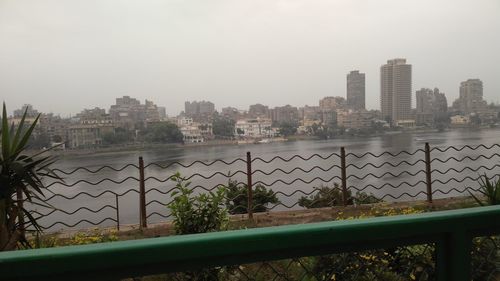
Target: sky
65, 55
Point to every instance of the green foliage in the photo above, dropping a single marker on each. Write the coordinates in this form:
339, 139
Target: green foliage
490, 189
237, 198
288, 128
163, 132
20, 174
119, 136
197, 213
332, 196
222, 126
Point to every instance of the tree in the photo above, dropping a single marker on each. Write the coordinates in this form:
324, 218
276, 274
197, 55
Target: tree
163, 132
39, 141
119, 136
475, 119
21, 178
288, 128
222, 126
237, 198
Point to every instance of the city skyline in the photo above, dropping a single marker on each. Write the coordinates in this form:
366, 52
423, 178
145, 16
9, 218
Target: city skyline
236, 53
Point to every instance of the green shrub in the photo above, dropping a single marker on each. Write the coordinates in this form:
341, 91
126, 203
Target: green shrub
200, 213
332, 196
490, 190
237, 198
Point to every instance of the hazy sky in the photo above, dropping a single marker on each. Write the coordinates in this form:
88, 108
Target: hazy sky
65, 55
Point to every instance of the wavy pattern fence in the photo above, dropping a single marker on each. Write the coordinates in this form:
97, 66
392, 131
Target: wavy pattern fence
137, 193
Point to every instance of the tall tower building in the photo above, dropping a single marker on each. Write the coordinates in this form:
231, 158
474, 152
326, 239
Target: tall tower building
356, 90
471, 96
395, 90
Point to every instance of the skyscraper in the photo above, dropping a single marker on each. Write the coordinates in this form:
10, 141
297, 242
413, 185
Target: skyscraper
356, 90
395, 90
431, 104
471, 97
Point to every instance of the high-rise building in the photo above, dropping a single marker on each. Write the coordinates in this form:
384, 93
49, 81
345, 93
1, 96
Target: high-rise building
430, 104
395, 91
471, 97
287, 113
258, 110
356, 90
198, 108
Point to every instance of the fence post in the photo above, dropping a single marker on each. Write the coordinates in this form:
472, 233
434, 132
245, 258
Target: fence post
249, 186
117, 213
428, 172
142, 195
343, 170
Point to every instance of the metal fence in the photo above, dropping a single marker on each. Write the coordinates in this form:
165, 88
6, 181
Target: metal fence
137, 193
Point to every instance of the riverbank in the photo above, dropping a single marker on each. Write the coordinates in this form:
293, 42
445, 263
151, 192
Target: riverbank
134, 148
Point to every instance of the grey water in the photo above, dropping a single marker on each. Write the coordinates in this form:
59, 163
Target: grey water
289, 182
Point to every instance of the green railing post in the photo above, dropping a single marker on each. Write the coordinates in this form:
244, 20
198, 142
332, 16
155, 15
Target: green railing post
453, 256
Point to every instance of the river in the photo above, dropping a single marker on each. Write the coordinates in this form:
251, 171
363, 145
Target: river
290, 187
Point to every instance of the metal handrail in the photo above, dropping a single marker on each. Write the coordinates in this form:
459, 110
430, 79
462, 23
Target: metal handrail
451, 231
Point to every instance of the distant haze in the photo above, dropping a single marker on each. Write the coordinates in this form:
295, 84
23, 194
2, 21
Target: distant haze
63, 56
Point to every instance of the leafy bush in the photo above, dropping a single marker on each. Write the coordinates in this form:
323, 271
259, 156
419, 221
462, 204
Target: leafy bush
237, 198
490, 190
200, 213
332, 196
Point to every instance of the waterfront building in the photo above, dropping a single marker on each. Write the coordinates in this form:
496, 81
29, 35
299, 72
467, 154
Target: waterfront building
254, 128
355, 119
430, 105
395, 91
471, 97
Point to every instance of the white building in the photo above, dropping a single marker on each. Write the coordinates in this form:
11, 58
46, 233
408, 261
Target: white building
460, 120
254, 128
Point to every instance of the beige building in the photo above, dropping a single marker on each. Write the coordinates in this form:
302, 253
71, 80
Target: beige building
359, 119
332, 103
395, 90
430, 104
471, 97
356, 90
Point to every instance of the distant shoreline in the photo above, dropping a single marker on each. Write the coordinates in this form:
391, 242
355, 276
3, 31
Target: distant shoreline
143, 147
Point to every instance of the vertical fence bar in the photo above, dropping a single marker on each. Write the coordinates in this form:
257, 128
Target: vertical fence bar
343, 169
249, 186
117, 213
428, 172
142, 195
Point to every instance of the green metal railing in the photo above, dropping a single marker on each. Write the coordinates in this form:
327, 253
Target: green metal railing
450, 231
